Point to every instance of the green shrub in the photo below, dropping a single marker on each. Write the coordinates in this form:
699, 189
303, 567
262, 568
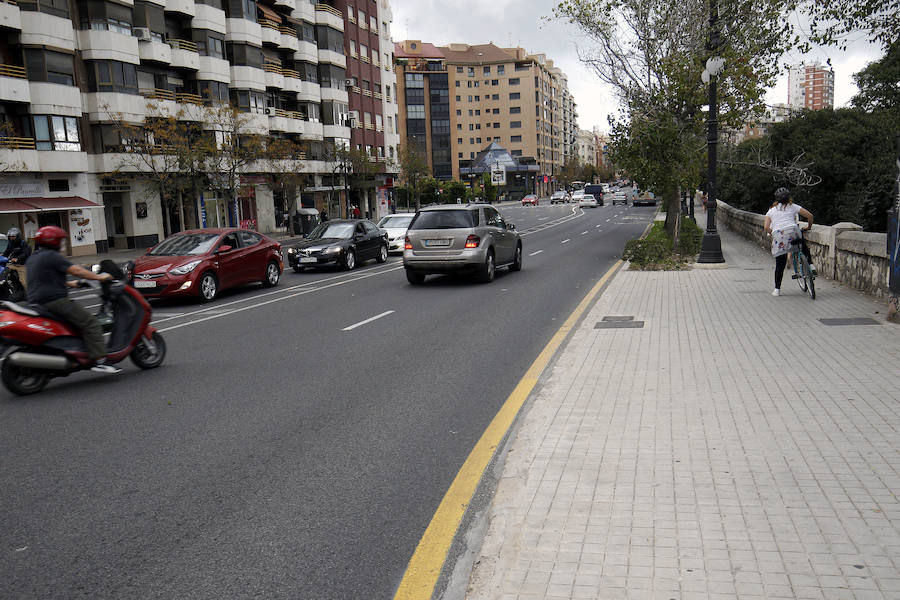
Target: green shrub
689, 238
654, 248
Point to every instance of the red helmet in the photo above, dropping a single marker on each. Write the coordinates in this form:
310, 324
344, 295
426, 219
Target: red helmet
50, 236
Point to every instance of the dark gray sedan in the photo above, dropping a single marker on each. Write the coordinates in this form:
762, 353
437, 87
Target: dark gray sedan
343, 243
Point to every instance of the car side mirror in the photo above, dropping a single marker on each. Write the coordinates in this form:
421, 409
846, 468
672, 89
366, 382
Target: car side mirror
510, 226
223, 248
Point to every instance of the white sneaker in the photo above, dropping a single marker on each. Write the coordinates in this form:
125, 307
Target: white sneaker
105, 368
776, 292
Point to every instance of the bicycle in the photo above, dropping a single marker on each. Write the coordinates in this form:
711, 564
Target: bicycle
802, 273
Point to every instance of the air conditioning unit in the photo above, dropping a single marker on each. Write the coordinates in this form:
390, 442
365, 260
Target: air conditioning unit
349, 82
141, 33
351, 123
270, 111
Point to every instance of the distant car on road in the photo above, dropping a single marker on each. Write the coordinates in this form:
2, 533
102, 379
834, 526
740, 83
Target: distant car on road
201, 262
620, 197
343, 243
587, 200
645, 199
452, 238
559, 197
596, 191
530, 200
576, 195
395, 225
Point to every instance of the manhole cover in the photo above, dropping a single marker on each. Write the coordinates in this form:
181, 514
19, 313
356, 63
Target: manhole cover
850, 321
619, 325
615, 318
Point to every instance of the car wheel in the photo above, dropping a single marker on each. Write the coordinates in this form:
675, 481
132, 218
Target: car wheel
299, 269
382, 254
414, 277
208, 287
272, 274
486, 271
349, 260
517, 261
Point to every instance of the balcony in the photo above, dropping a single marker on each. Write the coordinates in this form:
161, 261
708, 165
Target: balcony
305, 11
99, 44
288, 4
336, 131
184, 7
99, 105
56, 161
153, 51
14, 84
309, 92
9, 15
289, 40
54, 99
41, 29
334, 94
367, 93
366, 59
243, 77
208, 17
184, 54
327, 15
19, 154
270, 32
274, 76
214, 69
242, 30
332, 57
292, 80
307, 52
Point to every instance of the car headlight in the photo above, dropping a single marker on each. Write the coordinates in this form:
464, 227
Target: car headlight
186, 268
290, 250
331, 250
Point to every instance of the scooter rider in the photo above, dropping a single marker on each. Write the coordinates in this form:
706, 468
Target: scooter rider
17, 251
47, 286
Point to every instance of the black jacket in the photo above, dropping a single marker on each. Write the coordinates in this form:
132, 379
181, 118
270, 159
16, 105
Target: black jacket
18, 249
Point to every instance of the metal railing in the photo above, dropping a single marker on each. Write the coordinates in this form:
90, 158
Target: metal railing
378, 95
289, 31
291, 73
370, 126
13, 71
157, 94
362, 25
273, 68
269, 24
329, 9
365, 59
17, 143
182, 44
355, 89
367, 93
189, 98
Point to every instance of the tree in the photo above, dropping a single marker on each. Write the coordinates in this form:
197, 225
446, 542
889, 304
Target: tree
338, 156
835, 22
570, 171
413, 167
879, 82
364, 167
232, 150
653, 56
452, 191
428, 191
283, 158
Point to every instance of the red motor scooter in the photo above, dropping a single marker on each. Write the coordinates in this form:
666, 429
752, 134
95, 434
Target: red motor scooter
38, 345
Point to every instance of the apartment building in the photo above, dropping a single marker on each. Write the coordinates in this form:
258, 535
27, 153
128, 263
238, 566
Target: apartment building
586, 148
66, 67
810, 86
458, 99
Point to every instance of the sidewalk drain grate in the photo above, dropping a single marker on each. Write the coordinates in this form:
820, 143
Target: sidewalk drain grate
623, 322
850, 321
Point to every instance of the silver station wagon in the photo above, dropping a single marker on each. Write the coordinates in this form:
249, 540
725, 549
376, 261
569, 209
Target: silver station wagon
457, 238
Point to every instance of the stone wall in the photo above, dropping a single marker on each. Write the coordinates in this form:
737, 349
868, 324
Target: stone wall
842, 252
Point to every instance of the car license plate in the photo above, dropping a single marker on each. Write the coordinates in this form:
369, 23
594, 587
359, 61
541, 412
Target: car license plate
308, 259
437, 243
144, 284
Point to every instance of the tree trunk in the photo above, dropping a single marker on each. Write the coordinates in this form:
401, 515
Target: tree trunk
673, 215
164, 205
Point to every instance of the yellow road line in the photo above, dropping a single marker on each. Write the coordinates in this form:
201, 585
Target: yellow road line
426, 563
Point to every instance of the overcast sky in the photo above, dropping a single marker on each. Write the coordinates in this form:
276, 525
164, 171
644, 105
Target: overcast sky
521, 23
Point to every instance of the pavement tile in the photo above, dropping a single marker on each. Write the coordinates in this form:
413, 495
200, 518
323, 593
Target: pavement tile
691, 444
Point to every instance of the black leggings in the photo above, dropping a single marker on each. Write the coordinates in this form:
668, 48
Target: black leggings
781, 263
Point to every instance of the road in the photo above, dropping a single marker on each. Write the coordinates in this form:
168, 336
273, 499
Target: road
297, 440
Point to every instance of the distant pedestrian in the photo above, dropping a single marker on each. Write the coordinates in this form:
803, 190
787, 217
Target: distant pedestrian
781, 223
324, 216
705, 199
356, 212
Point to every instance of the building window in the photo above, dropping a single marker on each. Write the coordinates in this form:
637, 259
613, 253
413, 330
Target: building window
515, 138
487, 70
514, 96
373, 24
497, 139
515, 153
330, 39
415, 111
477, 98
58, 8
477, 140
470, 72
459, 155
49, 66
457, 85
515, 110
96, 14
514, 81
111, 76
496, 111
515, 124
459, 69
496, 125
495, 82
53, 132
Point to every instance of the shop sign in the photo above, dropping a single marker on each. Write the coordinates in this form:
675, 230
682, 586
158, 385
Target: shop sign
30, 189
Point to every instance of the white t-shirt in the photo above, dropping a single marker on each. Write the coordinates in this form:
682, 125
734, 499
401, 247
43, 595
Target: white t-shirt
784, 217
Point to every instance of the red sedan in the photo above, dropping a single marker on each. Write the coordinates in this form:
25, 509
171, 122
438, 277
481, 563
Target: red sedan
201, 262
530, 199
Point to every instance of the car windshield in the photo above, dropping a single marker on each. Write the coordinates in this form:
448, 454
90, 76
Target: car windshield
443, 219
395, 222
186, 245
588, 197
332, 230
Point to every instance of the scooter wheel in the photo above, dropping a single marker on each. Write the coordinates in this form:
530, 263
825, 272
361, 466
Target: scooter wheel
23, 380
149, 355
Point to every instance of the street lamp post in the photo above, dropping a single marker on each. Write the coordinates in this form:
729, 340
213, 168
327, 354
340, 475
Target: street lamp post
711, 247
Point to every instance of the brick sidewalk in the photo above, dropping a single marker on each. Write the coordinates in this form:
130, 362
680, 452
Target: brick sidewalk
733, 447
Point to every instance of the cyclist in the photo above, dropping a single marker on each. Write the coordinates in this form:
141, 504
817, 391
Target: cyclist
781, 224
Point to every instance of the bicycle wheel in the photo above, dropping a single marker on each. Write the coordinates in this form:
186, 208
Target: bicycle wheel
807, 277
798, 270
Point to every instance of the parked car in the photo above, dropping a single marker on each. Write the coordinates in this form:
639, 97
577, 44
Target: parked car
619, 197
455, 238
645, 199
202, 262
395, 225
588, 201
559, 197
596, 191
343, 242
530, 200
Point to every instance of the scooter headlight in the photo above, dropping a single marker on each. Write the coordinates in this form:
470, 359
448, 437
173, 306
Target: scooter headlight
186, 268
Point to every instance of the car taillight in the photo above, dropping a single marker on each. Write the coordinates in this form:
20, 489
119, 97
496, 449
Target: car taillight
407, 245
472, 241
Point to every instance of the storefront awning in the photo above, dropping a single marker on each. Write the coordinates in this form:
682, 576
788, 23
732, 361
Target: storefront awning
14, 205
62, 203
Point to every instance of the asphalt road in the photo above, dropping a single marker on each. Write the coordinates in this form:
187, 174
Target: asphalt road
291, 446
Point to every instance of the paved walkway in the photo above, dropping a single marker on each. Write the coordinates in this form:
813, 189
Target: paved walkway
733, 447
